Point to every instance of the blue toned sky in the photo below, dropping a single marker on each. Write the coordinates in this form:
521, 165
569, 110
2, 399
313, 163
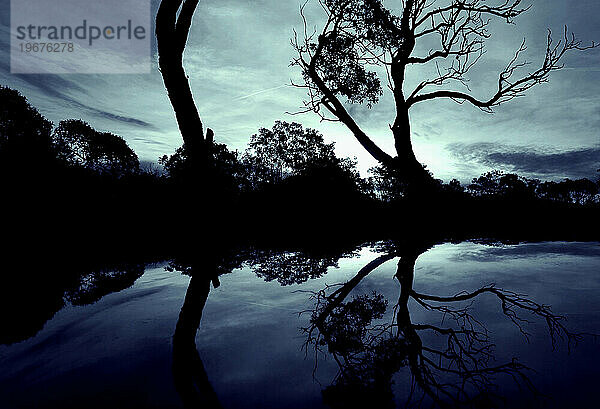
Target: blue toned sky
238, 57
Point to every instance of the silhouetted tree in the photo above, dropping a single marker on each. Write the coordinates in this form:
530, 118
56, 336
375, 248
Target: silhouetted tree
455, 186
25, 135
386, 183
173, 23
223, 169
341, 63
80, 145
580, 191
287, 150
498, 184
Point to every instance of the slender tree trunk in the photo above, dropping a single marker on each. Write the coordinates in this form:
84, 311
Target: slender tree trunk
173, 23
407, 165
181, 98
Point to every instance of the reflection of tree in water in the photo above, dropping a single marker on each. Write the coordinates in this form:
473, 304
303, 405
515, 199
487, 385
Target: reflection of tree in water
190, 377
94, 285
204, 267
290, 267
300, 265
79, 284
455, 369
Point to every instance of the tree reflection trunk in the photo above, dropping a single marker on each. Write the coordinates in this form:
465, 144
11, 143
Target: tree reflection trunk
189, 374
405, 276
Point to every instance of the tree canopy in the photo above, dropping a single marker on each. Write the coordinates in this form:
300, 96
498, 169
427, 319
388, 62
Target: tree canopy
24, 132
286, 149
80, 145
362, 41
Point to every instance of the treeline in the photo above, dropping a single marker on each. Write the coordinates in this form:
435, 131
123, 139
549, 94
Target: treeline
284, 157
30, 143
288, 179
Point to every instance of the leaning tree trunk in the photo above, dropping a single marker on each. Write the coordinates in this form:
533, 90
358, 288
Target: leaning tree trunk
171, 33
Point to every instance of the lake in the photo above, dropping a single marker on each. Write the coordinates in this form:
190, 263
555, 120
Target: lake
381, 324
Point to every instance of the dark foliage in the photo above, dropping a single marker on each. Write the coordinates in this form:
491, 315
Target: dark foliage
25, 135
79, 145
509, 186
288, 150
220, 174
289, 267
288, 183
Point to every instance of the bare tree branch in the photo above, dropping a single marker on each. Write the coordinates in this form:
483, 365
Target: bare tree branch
509, 88
360, 38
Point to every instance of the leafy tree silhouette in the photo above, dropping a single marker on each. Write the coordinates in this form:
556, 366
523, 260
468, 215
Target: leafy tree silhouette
361, 39
80, 145
503, 185
25, 135
289, 150
223, 171
580, 191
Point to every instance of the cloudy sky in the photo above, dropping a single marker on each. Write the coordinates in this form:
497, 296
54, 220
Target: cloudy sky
238, 58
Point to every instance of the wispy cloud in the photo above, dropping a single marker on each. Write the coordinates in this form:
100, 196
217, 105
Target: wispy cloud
259, 92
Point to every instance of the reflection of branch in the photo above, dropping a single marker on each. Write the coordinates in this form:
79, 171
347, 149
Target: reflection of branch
336, 298
511, 302
453, 371
465, 358
326, 304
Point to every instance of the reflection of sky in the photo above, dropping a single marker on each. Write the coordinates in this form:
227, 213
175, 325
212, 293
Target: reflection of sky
119, 348
240, 47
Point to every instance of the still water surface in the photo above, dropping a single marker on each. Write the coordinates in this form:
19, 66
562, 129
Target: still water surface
118, 352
